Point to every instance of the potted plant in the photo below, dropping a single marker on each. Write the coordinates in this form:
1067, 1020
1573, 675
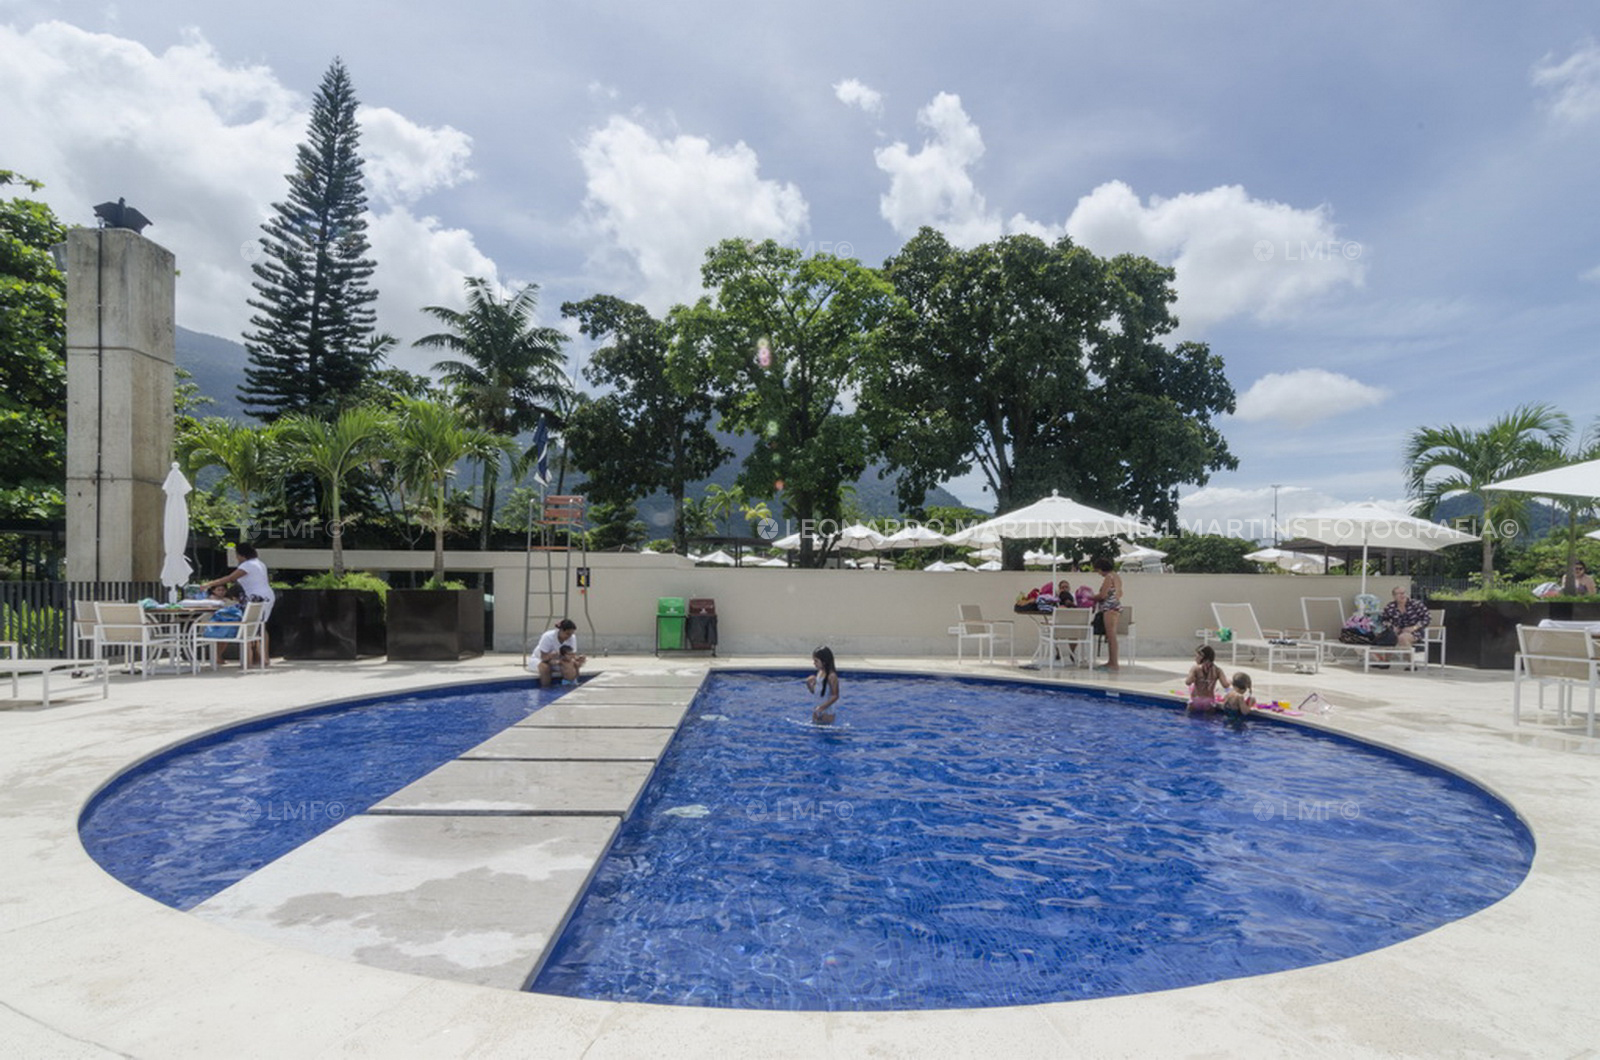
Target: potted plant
442, 620
337, 615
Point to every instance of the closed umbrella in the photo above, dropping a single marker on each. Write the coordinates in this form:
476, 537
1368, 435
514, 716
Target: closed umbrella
1368, 524
175, 566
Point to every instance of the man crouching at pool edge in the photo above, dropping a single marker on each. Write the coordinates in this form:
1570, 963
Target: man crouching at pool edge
557, 653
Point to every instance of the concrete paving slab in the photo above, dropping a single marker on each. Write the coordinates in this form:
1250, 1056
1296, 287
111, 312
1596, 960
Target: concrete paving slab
627, 716
547, 742
513, 787
586, 695
647, 679
473, 899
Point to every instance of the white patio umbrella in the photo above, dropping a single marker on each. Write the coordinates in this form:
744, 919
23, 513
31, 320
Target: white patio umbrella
719, 558
790, 542
992, 564
1294, 562
1367, 524
915, 535
858, 537
775, 561
985, 553
175, 566
1574, 480
1056, 517
940, 566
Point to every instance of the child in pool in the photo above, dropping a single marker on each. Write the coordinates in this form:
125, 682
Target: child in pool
1204, 677
1239, 702
827, 676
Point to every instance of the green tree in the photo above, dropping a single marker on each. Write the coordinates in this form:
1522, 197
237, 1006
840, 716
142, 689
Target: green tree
1047, 368
1207, 554
430, 439
1446, 461
648, 433
33, 359
615, 526
333, 451
511, 372
310, 342
250, 458
780, 344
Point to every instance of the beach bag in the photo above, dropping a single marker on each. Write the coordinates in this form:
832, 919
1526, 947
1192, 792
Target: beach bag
1355, 636
1387, 639
1099, 624
1085, 596
231, 613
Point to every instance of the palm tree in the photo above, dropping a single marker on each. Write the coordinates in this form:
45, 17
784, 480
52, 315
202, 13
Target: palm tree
248, 457
331, 452
1515, 444
430, 440
511, 372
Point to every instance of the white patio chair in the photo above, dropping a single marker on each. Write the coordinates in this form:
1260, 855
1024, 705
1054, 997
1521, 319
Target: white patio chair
1069, 628
212, 635
1435, 635
1564, 657
1324, 618
973, 626
1127, 639
1274, 644
129, 629
83, 623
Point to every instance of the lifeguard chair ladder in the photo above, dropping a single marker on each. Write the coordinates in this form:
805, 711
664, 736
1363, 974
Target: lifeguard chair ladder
548, 518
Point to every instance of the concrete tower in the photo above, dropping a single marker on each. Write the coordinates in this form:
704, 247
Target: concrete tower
121, 372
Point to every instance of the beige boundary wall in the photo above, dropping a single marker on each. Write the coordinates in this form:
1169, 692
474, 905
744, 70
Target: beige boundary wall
772, 611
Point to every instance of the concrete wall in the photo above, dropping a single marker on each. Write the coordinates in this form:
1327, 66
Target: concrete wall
120, 379
770, 611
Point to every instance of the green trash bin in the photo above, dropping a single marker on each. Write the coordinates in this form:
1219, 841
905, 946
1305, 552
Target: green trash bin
670, 612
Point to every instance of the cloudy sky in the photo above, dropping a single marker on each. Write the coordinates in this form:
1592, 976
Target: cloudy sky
1381, 216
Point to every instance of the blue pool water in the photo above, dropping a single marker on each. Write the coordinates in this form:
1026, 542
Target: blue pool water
968, 844
190, 822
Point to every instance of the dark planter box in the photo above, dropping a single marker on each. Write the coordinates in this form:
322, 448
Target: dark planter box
435, 624
327, 624
1483, 633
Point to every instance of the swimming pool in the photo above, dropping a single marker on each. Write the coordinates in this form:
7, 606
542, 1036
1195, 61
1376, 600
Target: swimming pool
187, 823
959, 843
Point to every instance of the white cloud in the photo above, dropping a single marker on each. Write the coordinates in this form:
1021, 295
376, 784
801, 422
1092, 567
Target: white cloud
1573, 83
420, 263
1305, 396
663, 202
931, 186
853, 93
1590, 275
404, 161
201, 147
1233, 255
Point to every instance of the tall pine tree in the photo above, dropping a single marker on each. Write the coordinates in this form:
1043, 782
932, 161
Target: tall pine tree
310, 340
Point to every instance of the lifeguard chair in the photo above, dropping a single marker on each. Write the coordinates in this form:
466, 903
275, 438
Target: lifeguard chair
554, 521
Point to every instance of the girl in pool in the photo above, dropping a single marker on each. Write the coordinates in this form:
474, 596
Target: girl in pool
1239, 702
827, 676
1204, 677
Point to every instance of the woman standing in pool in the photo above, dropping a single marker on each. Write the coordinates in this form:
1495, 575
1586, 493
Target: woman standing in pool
827, 676
1109, 602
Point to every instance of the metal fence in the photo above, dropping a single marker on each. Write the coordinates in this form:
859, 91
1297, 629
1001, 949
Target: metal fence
38, 615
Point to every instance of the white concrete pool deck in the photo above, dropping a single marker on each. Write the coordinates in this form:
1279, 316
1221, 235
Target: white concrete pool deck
89, 968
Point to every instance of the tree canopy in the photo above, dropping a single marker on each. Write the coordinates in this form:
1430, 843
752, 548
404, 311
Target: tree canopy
310, 342
780, 343
648, 432
33, 358
1046, 367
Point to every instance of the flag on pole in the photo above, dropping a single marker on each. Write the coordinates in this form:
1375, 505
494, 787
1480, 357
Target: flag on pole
541, 453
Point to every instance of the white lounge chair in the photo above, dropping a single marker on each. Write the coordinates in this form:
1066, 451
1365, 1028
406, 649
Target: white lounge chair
1435, 635
1565, 657
1324, 618
1275, 644
45, 669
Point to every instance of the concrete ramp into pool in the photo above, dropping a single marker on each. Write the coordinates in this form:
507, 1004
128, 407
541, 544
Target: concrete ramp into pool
470, 872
